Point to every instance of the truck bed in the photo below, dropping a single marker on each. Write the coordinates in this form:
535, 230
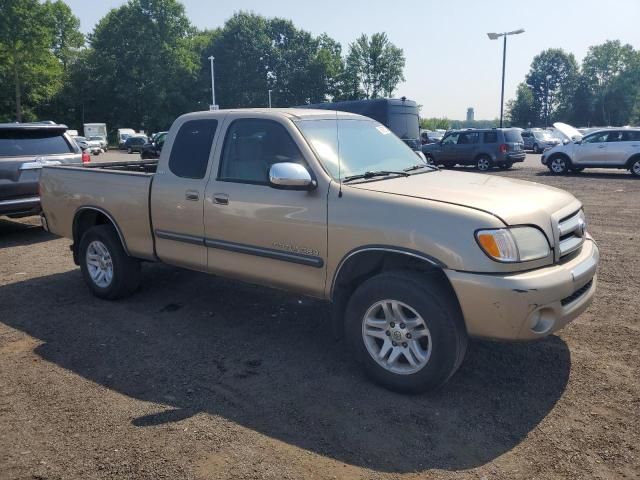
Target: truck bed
118, 189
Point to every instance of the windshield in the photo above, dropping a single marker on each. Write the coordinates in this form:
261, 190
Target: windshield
365, 146
543, 135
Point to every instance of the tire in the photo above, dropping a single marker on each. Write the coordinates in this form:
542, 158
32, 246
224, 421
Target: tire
448, 164
430, 159
506, 166
422, 302
558, 165
536, 149
634, 167
483, 163
129, 150
101, 250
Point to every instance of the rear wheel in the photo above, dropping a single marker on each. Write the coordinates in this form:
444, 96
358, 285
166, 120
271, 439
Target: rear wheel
635, 167
406, 331
483, 163
558, 165
108, 271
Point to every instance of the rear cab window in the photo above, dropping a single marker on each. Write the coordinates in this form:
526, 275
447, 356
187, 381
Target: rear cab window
191, 148
28, 142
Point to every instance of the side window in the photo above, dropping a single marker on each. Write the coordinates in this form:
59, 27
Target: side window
614, 137
191, 148
252, 146
490, 137
451, 139
597, 138
630, 136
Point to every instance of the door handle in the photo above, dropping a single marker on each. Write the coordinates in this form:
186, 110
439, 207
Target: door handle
192, 195
221, 198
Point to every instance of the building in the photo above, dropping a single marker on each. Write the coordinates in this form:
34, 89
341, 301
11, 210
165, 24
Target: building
470, 114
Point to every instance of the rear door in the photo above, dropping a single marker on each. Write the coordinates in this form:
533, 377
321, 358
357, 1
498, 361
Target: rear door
617, 148
23, 152
177, 194
465, 149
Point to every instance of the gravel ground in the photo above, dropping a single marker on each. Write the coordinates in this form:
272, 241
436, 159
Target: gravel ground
199, 377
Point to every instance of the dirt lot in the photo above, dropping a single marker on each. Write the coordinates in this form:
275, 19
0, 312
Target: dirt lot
199, 377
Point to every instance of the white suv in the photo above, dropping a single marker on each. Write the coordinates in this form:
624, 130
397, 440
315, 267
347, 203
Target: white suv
610, 148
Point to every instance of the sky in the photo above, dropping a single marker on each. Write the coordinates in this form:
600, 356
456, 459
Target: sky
450, 63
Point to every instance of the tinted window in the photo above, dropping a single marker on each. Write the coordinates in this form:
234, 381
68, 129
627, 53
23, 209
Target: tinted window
29, 142
450, 139
630, 136
512, 136
191, 147
252, 146
614, 136
468, 138
490, 137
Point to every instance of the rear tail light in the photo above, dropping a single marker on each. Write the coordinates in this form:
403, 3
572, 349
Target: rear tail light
503, 148
86, 158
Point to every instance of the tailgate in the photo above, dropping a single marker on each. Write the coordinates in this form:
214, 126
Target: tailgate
19, 176
122, 196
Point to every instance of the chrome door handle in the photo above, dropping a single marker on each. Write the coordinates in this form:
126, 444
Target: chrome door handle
221, 198
192, 195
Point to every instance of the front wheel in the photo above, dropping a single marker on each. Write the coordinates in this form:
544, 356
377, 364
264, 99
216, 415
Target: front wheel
558, 165
106, 268
635, 167
406, 331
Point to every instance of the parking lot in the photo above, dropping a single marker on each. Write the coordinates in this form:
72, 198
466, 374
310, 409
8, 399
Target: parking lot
202, 377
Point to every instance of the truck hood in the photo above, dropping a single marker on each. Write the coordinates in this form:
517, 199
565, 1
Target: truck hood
515, 202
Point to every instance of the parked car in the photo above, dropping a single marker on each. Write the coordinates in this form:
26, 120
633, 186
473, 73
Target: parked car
24, 149
81, 141
122, 134
538, 140
429, 136
153, 148
413, 259
485, 149
610, 148
95, 145
135, 143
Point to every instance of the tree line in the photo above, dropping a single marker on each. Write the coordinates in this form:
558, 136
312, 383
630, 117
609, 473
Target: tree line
144, 64
603, 90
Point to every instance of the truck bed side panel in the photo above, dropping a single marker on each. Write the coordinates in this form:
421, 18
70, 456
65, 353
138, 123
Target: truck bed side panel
122, 195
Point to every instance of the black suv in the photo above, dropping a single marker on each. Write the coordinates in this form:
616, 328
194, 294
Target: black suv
24, 149
484, 149
135, 143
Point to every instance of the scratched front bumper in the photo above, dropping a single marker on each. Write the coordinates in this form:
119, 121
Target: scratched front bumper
529, 305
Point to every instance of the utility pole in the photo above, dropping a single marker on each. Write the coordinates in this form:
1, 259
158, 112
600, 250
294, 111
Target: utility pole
213, 86
495, 36
269, 98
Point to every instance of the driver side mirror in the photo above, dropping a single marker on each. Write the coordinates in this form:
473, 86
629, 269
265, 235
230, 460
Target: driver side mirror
290, 176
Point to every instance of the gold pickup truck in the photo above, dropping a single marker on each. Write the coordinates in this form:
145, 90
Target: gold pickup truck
414, 260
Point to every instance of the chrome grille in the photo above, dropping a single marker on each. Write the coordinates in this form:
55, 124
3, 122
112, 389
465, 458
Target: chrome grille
571, 233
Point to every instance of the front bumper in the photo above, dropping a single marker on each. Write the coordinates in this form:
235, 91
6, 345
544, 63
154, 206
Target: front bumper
529, 305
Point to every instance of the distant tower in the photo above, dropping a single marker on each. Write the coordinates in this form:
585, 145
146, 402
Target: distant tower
470, 114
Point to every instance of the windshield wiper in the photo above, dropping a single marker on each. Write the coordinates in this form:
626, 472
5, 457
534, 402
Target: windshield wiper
419, 166
375, 173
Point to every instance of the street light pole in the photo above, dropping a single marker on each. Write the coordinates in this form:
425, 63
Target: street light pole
495, 36
269, 98
213, 85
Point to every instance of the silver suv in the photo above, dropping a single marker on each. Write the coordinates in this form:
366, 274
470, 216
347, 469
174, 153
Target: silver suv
538, 140
610, 148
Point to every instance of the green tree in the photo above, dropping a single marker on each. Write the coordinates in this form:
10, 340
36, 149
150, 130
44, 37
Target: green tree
435, 123
65, 27
602, 66
522, 111
28, 67
552, 78
142, 64
374, 67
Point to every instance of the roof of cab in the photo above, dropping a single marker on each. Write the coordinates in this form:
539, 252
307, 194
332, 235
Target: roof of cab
48, 125
292, 113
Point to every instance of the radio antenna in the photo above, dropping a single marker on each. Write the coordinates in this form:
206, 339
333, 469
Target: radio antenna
339, 160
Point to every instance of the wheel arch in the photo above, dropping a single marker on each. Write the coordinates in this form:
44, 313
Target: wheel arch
90, 216
365, 262
632, 159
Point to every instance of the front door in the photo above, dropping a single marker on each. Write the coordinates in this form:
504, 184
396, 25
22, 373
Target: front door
258, 233
448, 148
592, 149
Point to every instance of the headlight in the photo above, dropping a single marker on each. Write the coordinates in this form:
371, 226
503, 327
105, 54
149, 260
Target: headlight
517, 244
